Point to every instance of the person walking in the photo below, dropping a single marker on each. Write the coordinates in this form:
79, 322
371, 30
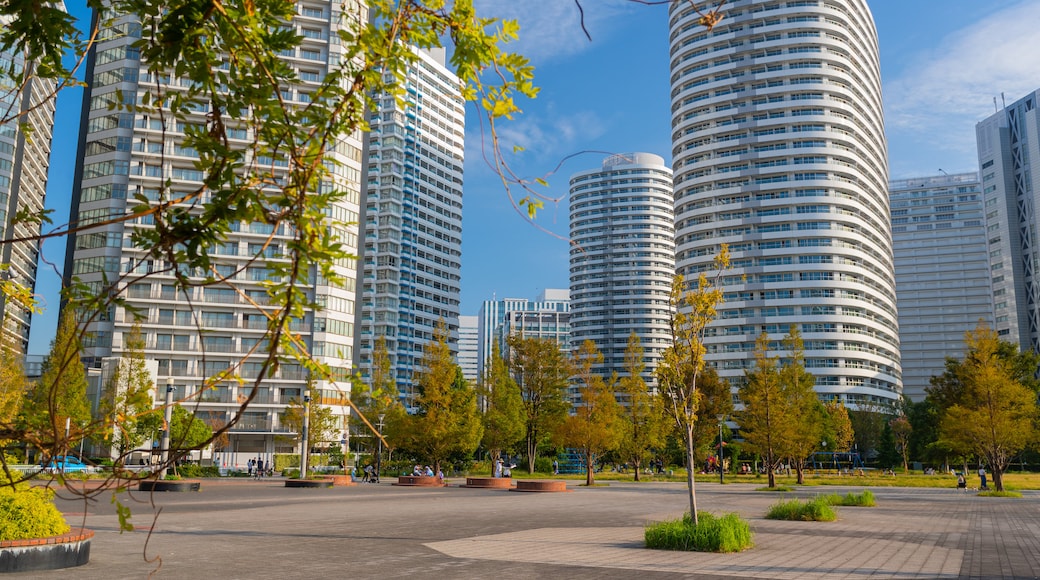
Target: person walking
982, 478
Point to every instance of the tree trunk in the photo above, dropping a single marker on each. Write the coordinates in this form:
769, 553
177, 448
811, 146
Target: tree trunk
689, 473
998, 478
638, 466
769, 470
532, 448
589, 477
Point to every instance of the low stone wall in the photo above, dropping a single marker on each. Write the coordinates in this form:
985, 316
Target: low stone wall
541, 486
489, 482
170, 485
64, 551
419, 481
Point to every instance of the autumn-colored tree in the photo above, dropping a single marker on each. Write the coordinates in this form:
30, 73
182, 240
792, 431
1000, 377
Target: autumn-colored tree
542, 372
504, 408
994, 414
374, 399
595, 427
838, 433
128, 405
694, 307
644, 425
716, 399
446, 421
59, 397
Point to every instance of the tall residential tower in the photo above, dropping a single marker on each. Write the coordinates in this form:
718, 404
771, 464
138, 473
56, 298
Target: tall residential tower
623, 259
779, 152
412, 215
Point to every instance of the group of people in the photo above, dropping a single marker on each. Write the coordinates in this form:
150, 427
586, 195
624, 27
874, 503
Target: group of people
371, 474
963, 484
257, 468
426, 470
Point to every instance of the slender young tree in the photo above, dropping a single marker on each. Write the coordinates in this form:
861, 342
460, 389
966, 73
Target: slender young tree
902, 431
762, 420
804, 411
504, 407
128, 405
542, 372
595, 427
839, 435
693, 309
644, 424
375, 399
321, 422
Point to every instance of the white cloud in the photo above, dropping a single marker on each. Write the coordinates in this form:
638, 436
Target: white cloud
552, 29
941, 94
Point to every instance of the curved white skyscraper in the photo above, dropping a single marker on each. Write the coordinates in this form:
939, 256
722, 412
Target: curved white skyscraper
779, 151
623, 259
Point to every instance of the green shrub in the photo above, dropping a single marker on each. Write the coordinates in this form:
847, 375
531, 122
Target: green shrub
711, 534
815, 510
541, 465
1004, 493
291, 473
29, 513
192, 470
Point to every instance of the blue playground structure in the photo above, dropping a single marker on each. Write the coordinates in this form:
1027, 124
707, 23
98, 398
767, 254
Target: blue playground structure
836, 461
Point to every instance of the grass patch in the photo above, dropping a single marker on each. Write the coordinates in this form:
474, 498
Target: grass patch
814, 510
777, 488
1004, 493
865, 499
728, 533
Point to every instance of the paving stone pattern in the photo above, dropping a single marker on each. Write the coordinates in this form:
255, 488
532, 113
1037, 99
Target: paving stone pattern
260, 529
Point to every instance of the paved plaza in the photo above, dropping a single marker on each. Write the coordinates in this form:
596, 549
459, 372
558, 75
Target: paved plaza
260, 529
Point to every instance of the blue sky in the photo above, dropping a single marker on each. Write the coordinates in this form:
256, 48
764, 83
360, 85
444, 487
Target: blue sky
942, 62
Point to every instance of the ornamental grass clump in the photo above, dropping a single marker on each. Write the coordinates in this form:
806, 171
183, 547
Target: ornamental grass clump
815, 510
29, 513
865, 499
728, 533
1004, 493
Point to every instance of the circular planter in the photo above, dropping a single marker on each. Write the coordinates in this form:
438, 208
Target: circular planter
339, 480
489, 482
168, 485
541, 486
309, 483
65, 551
419, 481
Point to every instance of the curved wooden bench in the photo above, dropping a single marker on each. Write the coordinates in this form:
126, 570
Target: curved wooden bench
311, 483
541, 486
489, 482
419, 481
53, 553
170, 485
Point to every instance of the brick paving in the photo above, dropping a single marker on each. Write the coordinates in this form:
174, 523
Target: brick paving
260, 529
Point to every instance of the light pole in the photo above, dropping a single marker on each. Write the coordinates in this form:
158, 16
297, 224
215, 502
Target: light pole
721, 417
379, 445
164, 446
305, 450
824, 444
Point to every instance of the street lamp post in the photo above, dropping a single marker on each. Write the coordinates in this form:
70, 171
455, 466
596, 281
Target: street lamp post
721, 469
305, 450
164, 446
379, 445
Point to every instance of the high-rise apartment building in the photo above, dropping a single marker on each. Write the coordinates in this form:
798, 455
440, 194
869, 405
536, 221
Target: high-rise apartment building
24, 158
128, 154
779, 152
623, 259
1008, 147
493, 314
942, 271
412, 215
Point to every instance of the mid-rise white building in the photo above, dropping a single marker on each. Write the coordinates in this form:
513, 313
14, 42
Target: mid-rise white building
129, 154
24, 159
493, 314
468, 348
623, 259
779, 153
942, 271
412, 218
1008, 148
